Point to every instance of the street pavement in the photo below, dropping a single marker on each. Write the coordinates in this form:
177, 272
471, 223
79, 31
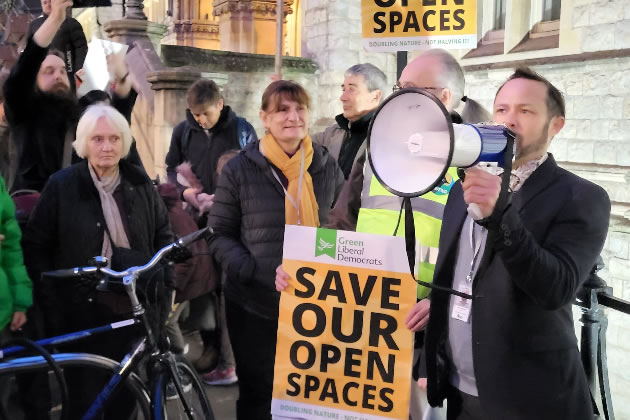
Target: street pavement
223, 400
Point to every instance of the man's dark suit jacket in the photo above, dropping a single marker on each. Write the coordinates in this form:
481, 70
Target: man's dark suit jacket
526, 360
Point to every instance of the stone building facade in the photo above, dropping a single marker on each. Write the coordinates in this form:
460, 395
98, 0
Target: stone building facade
582, 46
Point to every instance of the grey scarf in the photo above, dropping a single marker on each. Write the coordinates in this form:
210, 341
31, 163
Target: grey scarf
106, 187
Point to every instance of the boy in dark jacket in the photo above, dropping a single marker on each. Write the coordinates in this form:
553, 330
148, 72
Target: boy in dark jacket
211, 128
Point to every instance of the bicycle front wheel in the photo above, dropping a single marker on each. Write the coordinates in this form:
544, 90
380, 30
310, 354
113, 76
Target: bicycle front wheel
173, 406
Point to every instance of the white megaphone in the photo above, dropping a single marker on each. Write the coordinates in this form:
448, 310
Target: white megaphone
412, 142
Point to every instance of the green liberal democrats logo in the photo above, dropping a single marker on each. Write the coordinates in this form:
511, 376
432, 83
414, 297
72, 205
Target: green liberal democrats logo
326, 242
447, 184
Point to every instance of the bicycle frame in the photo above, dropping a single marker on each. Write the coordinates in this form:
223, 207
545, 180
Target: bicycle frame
144, 347
70, 337
36, 363
122, 370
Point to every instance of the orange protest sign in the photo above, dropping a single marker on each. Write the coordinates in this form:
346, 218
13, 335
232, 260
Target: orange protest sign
343, 350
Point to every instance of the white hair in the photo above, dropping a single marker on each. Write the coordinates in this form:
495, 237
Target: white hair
88, 121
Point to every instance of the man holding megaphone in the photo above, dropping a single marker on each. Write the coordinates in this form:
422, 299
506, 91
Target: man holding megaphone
510, 352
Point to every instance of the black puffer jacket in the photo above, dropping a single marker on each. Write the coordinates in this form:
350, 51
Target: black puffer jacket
66, 229
248, 220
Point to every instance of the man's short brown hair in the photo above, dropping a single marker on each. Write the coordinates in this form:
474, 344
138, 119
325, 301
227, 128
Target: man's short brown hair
555, 100
203, 92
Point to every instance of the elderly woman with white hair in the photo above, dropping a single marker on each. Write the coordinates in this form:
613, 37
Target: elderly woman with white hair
99, 206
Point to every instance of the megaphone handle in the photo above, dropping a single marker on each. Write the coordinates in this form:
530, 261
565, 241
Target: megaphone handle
475, 211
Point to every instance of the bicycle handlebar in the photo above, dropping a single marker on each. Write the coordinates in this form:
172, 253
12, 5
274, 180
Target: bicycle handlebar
178, 244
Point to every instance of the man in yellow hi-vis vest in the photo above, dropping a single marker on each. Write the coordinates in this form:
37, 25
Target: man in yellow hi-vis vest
366, 206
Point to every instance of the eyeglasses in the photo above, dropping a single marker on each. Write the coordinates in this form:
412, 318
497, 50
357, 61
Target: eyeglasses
397, 87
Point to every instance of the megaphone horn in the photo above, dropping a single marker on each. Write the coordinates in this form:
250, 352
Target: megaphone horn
412, 142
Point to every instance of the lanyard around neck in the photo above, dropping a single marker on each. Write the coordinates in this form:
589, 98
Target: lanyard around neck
475, 245
295, 203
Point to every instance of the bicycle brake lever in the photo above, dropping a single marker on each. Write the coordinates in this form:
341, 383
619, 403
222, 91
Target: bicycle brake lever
179, 255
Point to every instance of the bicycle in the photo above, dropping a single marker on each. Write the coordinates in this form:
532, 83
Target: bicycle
151, 350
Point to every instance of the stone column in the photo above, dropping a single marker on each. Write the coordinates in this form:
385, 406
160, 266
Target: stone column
134, 26
194, 25
127, 31
169, 105
196, 33
248, 26
133, 10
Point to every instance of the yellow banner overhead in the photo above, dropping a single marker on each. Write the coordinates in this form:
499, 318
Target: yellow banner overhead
343, 350
402, 25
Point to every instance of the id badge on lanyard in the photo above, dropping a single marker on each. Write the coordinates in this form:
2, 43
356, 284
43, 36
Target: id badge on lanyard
462, 306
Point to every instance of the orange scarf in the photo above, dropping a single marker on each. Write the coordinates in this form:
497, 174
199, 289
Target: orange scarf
303, 210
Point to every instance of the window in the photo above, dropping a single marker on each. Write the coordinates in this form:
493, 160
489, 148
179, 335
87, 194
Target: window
499, 14
494, 26
551, 10
549, 23
545, 30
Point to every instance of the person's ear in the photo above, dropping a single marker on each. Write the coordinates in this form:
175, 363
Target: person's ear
220, 104
555, 125
445, 97
378, 95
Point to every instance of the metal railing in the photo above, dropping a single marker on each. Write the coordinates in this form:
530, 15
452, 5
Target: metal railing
593, 297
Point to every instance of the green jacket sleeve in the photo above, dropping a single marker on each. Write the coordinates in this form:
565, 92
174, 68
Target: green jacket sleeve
12, 259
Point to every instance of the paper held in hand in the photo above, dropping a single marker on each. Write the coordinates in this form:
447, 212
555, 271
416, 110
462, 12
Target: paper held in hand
96, 74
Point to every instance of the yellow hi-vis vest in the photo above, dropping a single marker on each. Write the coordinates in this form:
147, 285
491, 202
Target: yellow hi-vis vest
379, 214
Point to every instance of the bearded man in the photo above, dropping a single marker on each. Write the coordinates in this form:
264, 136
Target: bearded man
511, 351
40, 106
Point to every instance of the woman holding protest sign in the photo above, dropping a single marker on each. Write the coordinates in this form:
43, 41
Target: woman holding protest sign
282, 179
